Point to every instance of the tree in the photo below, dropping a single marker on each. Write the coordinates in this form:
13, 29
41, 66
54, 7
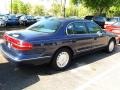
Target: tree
15, 8
75, 2
56, 9
114, 11
19, 7
72, 10
99, 6
24, 8
39, 10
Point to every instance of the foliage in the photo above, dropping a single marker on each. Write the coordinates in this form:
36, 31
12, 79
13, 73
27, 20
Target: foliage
75, 2
15, 6
38, 10
72, 10
56, 9
76, 8
114, 11
19, 7
24, 8
84, 11
99, 6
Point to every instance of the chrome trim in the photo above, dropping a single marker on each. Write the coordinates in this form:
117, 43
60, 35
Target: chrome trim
17, 60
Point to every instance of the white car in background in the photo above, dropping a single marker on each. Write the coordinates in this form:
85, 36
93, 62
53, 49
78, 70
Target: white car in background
2, 21
111, 21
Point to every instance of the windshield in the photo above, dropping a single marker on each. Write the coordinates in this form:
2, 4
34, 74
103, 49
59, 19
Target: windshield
45, 26
11, 17
30, 17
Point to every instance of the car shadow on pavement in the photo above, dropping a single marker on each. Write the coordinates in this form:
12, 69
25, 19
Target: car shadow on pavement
76, 62
13, 78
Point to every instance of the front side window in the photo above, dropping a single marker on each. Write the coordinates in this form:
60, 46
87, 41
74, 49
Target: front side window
45, 26
76, 28
93, 27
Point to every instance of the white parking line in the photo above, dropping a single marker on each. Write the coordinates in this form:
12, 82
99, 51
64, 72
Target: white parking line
98, 77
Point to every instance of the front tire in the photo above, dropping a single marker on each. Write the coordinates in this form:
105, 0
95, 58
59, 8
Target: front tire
111, 46
62, 59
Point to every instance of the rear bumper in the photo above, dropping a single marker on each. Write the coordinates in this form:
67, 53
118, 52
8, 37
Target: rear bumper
28, 60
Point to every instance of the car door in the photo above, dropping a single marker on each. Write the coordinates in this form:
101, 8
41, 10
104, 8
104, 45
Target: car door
98, 35
78, 34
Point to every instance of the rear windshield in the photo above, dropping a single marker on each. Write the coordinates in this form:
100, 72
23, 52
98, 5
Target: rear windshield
45, 26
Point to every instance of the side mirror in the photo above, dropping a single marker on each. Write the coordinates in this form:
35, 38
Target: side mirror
99, 33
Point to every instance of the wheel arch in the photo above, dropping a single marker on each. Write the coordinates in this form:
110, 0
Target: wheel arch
113, 38
62, 47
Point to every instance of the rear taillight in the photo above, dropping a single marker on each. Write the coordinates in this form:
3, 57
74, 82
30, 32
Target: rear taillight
17, 44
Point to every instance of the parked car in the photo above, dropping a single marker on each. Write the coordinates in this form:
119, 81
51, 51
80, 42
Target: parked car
11, 20
19, 15
89, 17
111, 21
27, 20
114, 28
38, 18
55, 41
74, 17
100, 20
2, 22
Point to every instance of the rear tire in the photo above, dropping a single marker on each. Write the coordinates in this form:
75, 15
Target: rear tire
61, 59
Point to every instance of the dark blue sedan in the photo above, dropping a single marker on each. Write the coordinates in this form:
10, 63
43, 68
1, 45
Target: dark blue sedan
11, 20
55, 41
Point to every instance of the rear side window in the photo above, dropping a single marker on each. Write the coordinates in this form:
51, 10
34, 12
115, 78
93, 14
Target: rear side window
93, 27
76, 28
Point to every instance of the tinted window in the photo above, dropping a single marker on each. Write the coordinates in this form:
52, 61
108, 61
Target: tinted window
99, 19
93, 27
76, 28
89, 17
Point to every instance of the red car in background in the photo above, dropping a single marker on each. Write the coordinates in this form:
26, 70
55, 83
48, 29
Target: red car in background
114, 28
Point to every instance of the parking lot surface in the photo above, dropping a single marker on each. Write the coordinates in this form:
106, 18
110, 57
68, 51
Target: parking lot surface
95, 71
